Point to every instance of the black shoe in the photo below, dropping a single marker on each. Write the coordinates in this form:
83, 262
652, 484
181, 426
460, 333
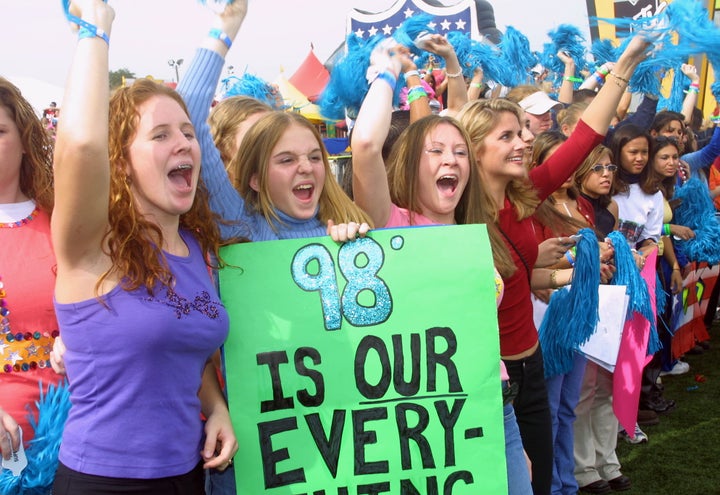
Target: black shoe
658, 404
647, 417
620, 484
599, 487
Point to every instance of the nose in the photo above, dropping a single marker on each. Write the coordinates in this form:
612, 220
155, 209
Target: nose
304, 165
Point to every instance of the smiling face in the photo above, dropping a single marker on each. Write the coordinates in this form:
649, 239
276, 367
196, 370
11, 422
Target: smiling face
443, 173
164, 159
596, 184
295, 173
634, 155
666, 160
501, 154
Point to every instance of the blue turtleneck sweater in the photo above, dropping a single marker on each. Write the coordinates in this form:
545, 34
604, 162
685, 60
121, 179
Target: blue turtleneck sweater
197, 89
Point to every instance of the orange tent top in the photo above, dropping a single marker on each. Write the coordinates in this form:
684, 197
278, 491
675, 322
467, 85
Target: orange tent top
311, 77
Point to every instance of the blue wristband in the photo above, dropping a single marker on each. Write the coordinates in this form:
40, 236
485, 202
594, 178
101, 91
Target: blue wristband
570, 258
219, 35
388, 77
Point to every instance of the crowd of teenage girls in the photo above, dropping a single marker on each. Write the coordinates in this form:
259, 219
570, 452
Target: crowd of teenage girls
109, 234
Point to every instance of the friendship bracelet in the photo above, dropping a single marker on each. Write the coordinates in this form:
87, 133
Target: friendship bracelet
572, 79
415, 94
388, 77
87, 30
411, 73
220, 35
454, 74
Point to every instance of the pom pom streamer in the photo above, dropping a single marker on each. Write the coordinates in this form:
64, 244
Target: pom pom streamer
249, 85
412, 29
517, 57
217, 6
696, 210
569, 39
572, 314
42, 451
627, 274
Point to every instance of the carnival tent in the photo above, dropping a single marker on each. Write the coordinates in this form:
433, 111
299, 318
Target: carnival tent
38, 92
311, 77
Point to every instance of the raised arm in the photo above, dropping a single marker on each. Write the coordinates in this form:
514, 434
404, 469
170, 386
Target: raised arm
198, 89
691, 97
370, 185
81, 164
567, 88
456, 89
601, 109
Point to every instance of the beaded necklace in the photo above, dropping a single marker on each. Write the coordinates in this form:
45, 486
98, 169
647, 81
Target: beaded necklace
21, 222
4, 311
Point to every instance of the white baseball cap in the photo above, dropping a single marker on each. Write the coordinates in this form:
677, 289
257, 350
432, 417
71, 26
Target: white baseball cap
539, 103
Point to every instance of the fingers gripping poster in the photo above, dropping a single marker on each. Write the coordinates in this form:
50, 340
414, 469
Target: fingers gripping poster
368, 367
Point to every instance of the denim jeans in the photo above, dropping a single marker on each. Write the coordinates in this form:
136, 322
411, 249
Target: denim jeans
533, 417
563, 394
517, 472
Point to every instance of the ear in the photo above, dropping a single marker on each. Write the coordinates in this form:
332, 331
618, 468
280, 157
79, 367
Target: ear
653, 133
254, 184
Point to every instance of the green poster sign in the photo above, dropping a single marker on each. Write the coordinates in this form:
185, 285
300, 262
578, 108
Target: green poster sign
365, 368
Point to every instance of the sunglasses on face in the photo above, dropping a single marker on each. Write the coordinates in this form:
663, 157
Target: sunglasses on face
598, 169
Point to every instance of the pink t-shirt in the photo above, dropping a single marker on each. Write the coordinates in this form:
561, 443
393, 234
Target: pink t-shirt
400, 217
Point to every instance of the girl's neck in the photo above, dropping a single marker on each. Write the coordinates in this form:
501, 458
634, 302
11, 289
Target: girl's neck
589, 194
561, 196
12, 194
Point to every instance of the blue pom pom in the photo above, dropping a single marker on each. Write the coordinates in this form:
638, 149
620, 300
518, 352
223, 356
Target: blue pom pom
413, 28
42, 451
697, 211
569, 39
249, 85
572, 315
516, 57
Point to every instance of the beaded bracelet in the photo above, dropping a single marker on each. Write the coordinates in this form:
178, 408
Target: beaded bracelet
220, 35
454, 74
619, 78
553, 280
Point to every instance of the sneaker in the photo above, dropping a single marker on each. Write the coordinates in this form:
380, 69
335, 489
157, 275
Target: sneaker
640, 436
679, 368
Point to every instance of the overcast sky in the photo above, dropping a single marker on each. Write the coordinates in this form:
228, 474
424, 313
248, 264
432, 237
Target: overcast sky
36, 42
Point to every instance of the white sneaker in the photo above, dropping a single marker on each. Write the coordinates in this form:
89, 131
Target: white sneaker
639, 437
679, 368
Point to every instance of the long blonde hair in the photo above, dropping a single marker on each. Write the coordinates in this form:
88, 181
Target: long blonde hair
132, 240
253, 159
480, 117
474, 205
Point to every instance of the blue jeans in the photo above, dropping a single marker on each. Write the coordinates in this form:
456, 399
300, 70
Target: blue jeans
220, 482
563, 395
517, 472
533, 417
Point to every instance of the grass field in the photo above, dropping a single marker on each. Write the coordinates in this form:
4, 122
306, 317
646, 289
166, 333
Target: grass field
682, 456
